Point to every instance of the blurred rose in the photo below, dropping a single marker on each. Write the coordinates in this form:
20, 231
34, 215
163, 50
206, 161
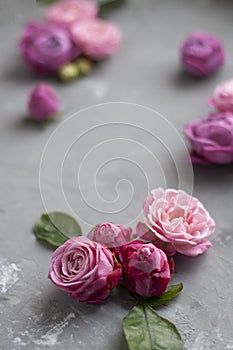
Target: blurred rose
69, 11
212, 138
176, 222
202, 54
146, 270
85, 270
223, 97
97, 39
43, 103
46, 47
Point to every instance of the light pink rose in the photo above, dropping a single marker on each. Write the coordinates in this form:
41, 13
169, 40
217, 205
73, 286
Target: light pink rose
146, 270
111, 235
97, 39
222, 99
85, 270
176, 222
69, 11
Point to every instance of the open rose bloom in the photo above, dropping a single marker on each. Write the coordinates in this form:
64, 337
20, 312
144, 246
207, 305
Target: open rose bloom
97, 39
211, 138
69, 11
176, 222
146, 270
85, 270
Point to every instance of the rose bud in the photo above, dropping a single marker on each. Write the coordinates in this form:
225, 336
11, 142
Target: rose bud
146, 270
111, 236
202, 54
176, 222
46, 47
43, 103
69, 11
211, 138
222, 99
85, 270
96, 38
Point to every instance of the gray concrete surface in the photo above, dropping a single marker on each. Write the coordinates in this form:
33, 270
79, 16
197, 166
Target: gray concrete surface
33, 313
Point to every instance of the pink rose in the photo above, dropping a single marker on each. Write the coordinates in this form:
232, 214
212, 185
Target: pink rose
43, 103
211, 138
97, 39
146, 270
69, 11
222, 99
202, 54
176, 222
85, 270
111, 235
46, 47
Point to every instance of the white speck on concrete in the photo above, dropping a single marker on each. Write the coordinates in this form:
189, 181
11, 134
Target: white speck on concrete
9, 275
44, 341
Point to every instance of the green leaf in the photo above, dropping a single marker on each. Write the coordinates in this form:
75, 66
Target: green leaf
56, 228
46, 2
107, 4
145, 329
170, 293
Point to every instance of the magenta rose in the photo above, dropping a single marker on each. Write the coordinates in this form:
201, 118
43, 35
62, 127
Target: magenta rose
146, 270
85, 270
176, 222
43, 104
68, 11
202, 54
222, 99
97, 39
46, 47
211, 138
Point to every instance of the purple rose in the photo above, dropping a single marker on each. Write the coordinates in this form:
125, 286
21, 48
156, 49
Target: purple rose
46, 47
43, 103
202, 54
212, 138
146, 269
85, 270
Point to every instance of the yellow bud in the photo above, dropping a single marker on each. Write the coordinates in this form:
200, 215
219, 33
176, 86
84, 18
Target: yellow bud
84, 66
68, 72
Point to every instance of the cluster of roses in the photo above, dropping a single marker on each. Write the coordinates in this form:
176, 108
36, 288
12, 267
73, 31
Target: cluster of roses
89, 268
211, 137
70, 39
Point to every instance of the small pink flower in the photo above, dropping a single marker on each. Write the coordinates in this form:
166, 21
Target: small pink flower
222, 99
176, 222
43, 103
111, 235
85, 270
69, 11
146, 270
202, 54
97, 39
211, 138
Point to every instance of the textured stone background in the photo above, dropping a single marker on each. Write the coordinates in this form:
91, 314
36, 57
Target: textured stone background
33, 313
